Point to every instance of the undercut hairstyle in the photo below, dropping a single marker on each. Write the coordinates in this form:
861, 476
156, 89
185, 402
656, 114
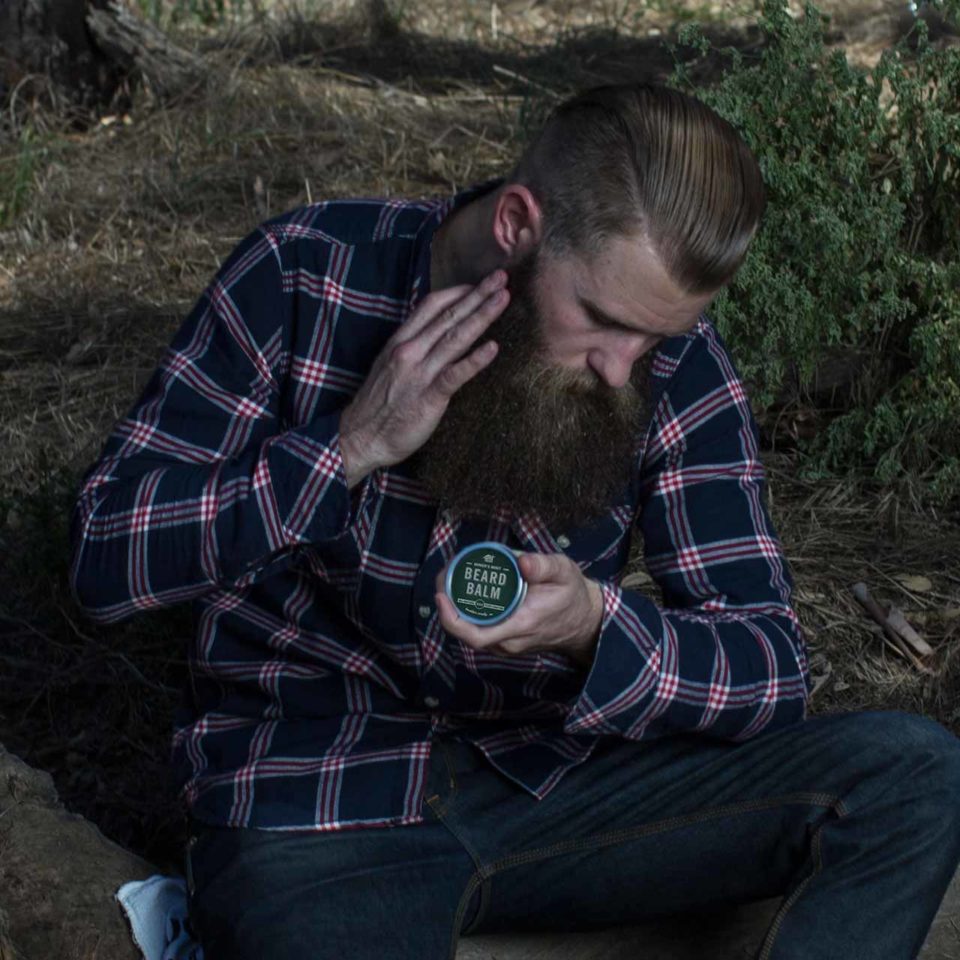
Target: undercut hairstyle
648, 161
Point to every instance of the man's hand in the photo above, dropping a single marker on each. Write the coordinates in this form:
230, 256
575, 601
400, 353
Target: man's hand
561, 612
417, 372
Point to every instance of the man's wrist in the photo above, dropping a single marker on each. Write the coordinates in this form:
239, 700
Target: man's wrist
582, 651
356, 461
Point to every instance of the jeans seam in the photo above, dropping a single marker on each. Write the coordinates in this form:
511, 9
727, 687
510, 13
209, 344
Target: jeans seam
784, 907
439, 808
475, 882
632, 833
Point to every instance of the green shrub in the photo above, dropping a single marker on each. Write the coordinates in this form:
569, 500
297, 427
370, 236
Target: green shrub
858, 258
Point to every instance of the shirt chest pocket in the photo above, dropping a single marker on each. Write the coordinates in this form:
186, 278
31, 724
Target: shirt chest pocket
600, 548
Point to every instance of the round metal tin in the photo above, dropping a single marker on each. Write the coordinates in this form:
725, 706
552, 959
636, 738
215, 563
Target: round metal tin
484, 583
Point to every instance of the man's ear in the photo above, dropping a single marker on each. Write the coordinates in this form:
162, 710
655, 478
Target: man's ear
517, 222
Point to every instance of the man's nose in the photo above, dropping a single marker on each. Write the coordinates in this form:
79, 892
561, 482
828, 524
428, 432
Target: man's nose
614, 366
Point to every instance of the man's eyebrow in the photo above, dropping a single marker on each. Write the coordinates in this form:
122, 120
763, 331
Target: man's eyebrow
605, 317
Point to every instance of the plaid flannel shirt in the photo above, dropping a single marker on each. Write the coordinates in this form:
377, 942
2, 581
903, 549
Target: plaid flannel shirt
319, 673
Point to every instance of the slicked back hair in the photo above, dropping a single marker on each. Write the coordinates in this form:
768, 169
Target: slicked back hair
649, 161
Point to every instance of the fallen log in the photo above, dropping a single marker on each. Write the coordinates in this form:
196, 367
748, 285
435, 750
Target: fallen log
136, 46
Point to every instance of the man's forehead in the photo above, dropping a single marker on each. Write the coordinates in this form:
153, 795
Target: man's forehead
628, 283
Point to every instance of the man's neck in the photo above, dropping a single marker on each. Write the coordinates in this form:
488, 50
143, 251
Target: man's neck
461, 250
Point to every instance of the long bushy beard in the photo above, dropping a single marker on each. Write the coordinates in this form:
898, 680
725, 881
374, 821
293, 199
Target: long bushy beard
527, 435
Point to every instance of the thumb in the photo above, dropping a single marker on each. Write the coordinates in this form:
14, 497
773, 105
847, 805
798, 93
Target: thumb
539, 567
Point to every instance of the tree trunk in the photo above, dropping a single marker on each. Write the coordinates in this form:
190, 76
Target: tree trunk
50, 38
85, 47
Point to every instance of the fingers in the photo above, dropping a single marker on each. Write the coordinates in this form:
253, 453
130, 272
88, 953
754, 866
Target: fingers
444, 308
518, 627
559, 614
480, 638
534, 567
428, 308
444, 327
409, 386
446, 364
456, 329
453, 377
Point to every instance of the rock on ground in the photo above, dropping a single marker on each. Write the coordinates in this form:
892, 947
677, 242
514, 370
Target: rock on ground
58, 875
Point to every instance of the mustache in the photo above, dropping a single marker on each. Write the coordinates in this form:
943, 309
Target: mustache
538, 379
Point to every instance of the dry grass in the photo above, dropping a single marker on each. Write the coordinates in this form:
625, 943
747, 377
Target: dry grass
834, 536
128, 223
121, 224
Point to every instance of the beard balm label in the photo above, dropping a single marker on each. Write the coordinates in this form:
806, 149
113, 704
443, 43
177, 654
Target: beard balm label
484, 583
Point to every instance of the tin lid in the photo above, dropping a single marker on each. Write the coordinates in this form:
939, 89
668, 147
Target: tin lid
484, 583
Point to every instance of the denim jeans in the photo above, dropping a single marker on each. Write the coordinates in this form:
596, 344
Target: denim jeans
853, 818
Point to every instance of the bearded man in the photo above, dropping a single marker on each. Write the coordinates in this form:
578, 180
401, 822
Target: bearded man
369, 386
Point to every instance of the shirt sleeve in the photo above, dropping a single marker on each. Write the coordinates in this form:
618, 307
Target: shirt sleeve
723, 654
201, 486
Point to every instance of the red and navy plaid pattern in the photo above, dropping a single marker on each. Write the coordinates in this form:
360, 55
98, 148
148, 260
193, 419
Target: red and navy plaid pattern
319, 671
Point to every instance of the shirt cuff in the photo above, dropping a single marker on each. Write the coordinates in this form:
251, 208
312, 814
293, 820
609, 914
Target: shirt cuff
627, 649
314, 503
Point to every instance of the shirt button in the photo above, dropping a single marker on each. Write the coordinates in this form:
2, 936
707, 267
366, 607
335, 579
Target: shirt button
431, 702
563, 541
424, 611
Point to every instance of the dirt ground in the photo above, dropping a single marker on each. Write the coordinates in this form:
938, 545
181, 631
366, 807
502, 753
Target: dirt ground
119, 226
